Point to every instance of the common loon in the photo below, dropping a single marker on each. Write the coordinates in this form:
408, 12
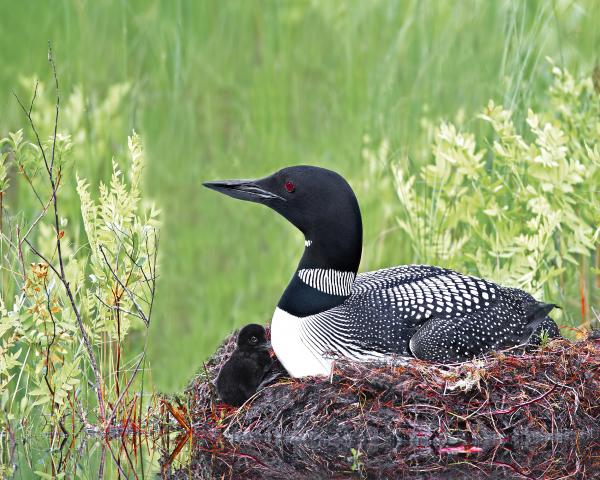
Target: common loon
246, 368
328, 309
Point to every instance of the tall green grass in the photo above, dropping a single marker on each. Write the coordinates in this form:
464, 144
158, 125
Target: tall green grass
242, 88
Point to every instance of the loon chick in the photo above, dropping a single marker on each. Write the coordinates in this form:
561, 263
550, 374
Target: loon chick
241, 375
423, 311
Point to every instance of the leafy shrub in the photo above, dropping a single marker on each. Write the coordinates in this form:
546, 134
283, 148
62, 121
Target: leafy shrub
74, 301
520, 206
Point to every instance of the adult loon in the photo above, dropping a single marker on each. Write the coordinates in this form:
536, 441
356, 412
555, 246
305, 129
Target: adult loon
423, 311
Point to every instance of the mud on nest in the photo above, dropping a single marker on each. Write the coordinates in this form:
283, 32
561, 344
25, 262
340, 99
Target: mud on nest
541, 394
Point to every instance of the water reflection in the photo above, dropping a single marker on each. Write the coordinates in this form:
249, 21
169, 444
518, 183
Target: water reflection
572, 456
24, 456
182, 456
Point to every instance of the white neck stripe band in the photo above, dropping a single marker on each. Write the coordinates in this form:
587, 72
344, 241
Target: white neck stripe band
328, 281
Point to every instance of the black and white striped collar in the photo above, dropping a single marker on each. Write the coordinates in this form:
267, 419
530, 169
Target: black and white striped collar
330, 281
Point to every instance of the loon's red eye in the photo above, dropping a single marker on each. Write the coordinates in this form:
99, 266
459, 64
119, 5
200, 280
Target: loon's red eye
289, 186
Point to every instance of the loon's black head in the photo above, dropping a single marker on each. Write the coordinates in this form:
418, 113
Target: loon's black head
322, 205
314, 199
252, 337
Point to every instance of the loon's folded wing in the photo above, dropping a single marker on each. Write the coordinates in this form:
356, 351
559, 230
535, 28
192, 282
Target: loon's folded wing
390, 303
447, 315
425, 290
390, 277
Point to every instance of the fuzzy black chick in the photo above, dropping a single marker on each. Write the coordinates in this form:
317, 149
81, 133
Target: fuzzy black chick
243, 372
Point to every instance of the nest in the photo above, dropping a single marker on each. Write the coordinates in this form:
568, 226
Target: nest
424, 410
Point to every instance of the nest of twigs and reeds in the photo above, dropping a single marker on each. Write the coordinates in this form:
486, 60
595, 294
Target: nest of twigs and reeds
544, 392
539, 396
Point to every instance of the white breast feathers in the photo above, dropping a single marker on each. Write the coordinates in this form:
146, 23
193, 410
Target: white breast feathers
293, 350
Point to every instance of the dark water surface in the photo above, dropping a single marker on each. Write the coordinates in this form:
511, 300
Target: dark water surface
573, 456
181, 456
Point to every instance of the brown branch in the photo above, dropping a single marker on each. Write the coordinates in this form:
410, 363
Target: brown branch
49, 343
37, 252
128, 457
32, 125
130, 381
24, 172
181, 440
115, 459
102, 461
124, 287
117, 307
177, 416
20, 252
48, 347
61, 273
51, 60
37, 219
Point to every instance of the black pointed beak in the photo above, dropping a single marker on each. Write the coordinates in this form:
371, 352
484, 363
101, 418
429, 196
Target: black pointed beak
249, 190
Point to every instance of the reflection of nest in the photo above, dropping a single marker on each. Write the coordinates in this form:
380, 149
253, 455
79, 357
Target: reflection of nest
571, 458
446, 410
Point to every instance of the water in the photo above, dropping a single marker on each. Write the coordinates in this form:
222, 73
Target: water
573, 457
181, 456
80, 456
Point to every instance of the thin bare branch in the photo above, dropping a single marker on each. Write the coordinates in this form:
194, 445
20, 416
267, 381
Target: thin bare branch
60, 272
33, 127
38, 218
115, 459
34, 96
149, 280
20, 251
37, 252
48, 347
115, 307
130, 294
129, 382
51, 60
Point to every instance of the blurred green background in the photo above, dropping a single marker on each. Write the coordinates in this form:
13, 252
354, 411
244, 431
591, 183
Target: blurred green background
226, 89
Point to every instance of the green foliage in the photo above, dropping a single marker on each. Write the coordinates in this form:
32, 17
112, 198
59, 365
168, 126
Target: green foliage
544, 338
122, 239
90, 122
10, 330
243, 88
44, 363
4, 181
49, 332
357, 464
519, 206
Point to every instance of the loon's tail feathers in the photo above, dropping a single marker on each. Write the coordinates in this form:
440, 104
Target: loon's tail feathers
537, 314
538, 310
